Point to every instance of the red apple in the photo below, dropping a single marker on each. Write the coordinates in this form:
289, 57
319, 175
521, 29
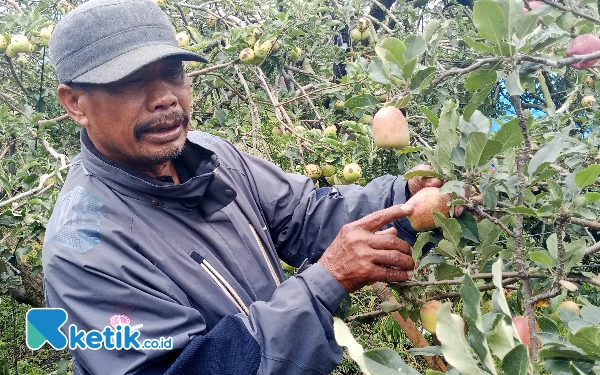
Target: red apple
532, 5
583, 45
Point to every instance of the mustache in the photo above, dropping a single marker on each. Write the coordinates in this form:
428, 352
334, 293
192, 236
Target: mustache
177, 117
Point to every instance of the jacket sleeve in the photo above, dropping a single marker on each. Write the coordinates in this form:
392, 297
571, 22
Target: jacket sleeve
290, 334
304, 220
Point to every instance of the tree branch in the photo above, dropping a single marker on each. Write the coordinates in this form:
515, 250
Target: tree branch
572, 10
15, 76
211, 68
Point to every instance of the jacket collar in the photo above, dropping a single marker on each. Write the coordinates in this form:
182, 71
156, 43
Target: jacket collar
203, 187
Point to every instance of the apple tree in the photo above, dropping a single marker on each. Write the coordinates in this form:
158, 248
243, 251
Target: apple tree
497, 96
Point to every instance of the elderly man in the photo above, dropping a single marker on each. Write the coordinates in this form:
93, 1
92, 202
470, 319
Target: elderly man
177, 234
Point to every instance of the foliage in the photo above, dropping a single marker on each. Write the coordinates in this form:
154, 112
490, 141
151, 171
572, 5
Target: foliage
492, 104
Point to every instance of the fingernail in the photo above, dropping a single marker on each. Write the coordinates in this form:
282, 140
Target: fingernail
410, 274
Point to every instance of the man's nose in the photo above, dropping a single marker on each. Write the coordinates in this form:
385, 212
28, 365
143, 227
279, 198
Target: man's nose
161, 94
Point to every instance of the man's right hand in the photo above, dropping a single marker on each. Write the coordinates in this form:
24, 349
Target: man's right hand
362, 255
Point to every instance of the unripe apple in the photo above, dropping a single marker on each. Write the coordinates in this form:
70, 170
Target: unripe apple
339, 105
487, 306
390, 129
195, 64
583, 45
10, 52
366, 119
161, 3
183, 39
429, 313
296, 53
313, 171
328, 170
211, 21
570, 305
262, 50
362, 24
424, 203
352, 172
590, 82
251, 38
20, 43
247, 55
362, 181
276, 131
275, 45
46, 32
588, 101
330, 180
3, 43
365, 34
330, 130
356, 35
31, 48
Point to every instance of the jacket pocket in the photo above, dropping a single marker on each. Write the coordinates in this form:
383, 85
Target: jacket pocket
266, 256
221, 282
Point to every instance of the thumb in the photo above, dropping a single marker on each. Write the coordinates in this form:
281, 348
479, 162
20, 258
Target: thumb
374, 221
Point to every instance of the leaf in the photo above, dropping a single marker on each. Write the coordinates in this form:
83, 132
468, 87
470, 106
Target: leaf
552, 245
591, 314
501, 340
475, 144
361, 101
541, 257
516, 361
388, 307
409, 68
447, 137
450, 331
451, 228
549, 153
430, 116
522, 210
417, 249
476, 100
499, 299
509, 135
392, 50
488, 232
587, 339
481, 156
480, 77
426, 351
592, 197
447, 271
344, 337
488, 252
380, 360
469, 227
376, 71
419, 172
415, 47
513, 83
478, 46
490, 21
587, 176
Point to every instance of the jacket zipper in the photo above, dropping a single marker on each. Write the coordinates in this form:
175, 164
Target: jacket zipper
223, 284
264, 253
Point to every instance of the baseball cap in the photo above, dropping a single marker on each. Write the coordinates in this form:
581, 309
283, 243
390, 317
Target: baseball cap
103, 41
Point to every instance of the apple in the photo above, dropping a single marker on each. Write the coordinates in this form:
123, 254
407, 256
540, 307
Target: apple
313, 171
276, 131
339, 105
10, 52
251, 38
247, 55
522, 327
365, 35
356, 35
583, 45
424, 203
3, 43
19, 43
31, 48
275, 45
161, 3
429, 312
330, 180
588, 101
590, 82
262, 50
533, 5
390, 129
362, 181
328, 170
296, 53
487, 306
363, 24
195, 64
570, 305
183, 39
330, 130
366, 119
211, 21
352, 172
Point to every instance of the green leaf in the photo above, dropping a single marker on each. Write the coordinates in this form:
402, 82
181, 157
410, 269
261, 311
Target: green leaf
541, 257
426, 351
587, 176
344, 337
478, 46
480, 77
415, 47
409, 68
552, 245
488, 252
376, 71
388, 306
591, 313
588, 340
392, 50
488, 232
389, 359
513, 83
446, 249
522, 210
592, 197
476, 100
469, 227
501, 340
418, 172
447, 271
450, 227
430, 115
499, 299
361, 101
417, 249
480, 150
516, 361
447, 137
450, 331
509, 135
549, 153
490, 21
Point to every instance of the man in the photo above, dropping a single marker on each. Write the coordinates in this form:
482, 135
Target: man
180, 235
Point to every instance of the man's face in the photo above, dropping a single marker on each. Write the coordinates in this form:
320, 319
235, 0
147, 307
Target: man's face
142, 120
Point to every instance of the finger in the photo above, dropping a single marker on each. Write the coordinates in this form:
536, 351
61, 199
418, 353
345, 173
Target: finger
389, 275
374, 221
388, 242
391, 231
431, 182
393, 258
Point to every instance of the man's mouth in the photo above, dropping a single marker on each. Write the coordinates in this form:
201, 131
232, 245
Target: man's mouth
163, 128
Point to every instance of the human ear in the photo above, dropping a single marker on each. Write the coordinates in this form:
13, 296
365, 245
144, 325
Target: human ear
73, 99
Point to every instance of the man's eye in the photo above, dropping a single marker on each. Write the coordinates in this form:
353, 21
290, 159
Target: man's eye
133, 82
174, 73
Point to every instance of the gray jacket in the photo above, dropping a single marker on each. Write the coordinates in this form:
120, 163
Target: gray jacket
180, 258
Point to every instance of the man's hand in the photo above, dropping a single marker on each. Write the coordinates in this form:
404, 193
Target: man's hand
361, 254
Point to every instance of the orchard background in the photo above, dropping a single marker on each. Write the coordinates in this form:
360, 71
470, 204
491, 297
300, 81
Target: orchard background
492, 102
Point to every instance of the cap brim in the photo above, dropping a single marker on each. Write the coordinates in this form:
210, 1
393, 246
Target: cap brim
127, 63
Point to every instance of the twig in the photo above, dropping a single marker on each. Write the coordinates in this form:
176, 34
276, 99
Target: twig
574, 11
494, 220
298, 70
15, 76
593, 249
547, 97
185, 21
254, 116
235, 91
290, 76
33, 191
387, 11
211, 68
314, 91
587, 223
381, 24
201, 6
15, 5
459, 72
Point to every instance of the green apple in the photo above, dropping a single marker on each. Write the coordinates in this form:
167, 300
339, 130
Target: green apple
356, 35
247, 55
251, 38
3, 43
328, 170
264, 49
46, 32
10, 51
330, 130
313, 171
296, 53
363, 24
429, 313
352, 172
161, 3
339, 105
183, 39
19, 43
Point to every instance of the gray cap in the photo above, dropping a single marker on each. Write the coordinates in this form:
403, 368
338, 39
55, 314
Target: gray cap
103, 41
